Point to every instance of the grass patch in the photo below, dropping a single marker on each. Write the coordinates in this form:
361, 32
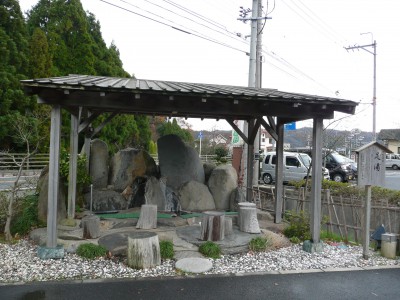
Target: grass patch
210, 249
166, 249
258, 244
330, 236
91, 251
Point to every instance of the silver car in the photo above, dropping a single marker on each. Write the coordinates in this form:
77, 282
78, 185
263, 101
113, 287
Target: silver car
393, 161
295, 167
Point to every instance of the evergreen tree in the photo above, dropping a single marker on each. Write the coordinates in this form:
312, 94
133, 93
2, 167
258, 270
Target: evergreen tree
76, 46
173, 128
13, 68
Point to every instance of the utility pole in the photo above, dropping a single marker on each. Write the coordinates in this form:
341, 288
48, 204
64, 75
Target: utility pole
364, 47
258, 74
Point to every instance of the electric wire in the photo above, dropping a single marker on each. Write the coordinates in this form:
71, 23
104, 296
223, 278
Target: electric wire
232, 35
333, 40
173, 27
273, 55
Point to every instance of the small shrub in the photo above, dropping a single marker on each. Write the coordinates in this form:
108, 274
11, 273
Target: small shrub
295, 240
26, 216
166, 249
210, 249
91, 251
299, 226
258, 244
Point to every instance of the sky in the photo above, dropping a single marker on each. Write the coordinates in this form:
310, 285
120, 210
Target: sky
303, 48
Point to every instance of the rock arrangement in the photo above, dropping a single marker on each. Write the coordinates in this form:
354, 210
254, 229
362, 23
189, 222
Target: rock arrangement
131, 178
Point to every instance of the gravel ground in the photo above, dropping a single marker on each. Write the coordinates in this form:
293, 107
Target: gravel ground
19, 263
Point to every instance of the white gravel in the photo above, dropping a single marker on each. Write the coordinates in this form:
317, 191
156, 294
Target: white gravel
20, 263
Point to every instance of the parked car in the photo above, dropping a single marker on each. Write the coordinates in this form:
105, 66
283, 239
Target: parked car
295, 167
393, 161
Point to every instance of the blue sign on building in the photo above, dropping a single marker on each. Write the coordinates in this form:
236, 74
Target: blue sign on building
290, 126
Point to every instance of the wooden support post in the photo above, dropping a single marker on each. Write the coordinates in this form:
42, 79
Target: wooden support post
279, 173
143, 250
73, 162
91, 227
148, 217
212, 226
316, 179
367, 220
249, 161
54, 166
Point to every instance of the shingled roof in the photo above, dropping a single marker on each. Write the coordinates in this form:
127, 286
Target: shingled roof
180, 99
389, 134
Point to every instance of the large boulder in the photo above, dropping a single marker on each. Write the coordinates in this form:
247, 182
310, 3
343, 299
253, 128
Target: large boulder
178, 163
222, 182
208, 168
105, 200
155, 193
195, 196
43, 189
99, 163
127, 165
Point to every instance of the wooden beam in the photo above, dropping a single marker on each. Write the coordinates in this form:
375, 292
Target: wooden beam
73, 164
271, 122
269, 129
239, 132
87, 121
104, 123
316, 180
54, 166
279, 173
254, 131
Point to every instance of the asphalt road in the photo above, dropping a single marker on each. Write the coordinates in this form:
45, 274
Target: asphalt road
392, 179
371, 284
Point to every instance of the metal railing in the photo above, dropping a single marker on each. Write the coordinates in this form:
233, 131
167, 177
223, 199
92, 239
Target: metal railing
10, 162
204, 158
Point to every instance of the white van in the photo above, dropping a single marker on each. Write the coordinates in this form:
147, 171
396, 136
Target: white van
295, 167
392, 161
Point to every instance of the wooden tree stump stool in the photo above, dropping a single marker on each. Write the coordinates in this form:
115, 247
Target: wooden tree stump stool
212, 226
143, 250
148, 217
247, 219
91, 227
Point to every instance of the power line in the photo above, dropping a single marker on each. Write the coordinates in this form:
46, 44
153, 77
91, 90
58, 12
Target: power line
173, 27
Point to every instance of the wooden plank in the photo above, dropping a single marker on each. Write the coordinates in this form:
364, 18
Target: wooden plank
249, 161
327, 197
344, 219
